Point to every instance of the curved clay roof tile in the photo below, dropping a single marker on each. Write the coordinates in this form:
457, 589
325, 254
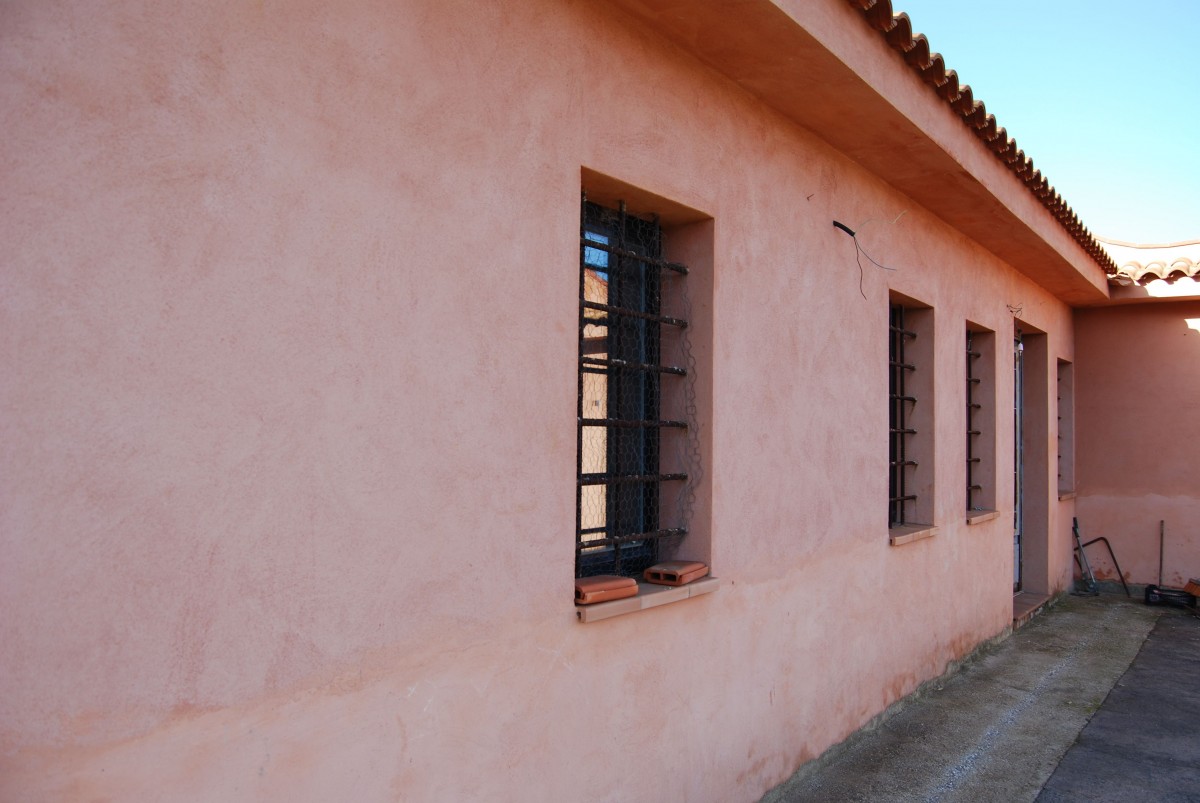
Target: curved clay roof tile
1180, 268
935, 73
1186, 266
880, 15
1148, 273
901, 34
965, 103
978, 118
949, 89
918, 55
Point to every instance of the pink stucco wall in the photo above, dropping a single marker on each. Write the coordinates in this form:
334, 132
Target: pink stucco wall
289, 336
1138, 400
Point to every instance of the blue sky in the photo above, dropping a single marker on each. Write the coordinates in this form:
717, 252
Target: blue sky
1103, 95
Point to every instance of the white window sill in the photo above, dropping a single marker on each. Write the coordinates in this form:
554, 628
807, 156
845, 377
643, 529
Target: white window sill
649, 595
907, 533
1063, 496
980, 516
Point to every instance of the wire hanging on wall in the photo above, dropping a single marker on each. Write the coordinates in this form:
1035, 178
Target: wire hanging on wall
859, 252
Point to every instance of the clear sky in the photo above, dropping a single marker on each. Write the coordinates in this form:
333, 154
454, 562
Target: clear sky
1103, 95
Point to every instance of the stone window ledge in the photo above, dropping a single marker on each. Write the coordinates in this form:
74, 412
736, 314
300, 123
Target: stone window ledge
980, 516
907, 533
649, 596
1063, 496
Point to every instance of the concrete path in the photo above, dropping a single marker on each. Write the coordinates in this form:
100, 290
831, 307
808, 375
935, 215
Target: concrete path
998, 729
1144, 742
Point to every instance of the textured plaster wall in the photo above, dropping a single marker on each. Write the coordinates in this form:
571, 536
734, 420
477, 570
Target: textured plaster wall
1138, 415
289, 337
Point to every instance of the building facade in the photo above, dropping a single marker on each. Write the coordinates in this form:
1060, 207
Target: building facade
295, 348
1139, 403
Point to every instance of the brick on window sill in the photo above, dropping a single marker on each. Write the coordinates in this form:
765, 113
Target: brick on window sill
649, 596
980, 516
907, 533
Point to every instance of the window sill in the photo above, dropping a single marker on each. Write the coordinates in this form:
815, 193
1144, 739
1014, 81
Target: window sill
649, 596
1064, 496
907, 533
980, 516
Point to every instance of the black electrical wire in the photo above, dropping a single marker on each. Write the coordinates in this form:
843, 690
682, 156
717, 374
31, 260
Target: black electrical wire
859, 252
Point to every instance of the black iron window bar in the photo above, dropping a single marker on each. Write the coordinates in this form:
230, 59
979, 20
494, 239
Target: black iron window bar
620, 332
901, 402
1059, 439
973, 431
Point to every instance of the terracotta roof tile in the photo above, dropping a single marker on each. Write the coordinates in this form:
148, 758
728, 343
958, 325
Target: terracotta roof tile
897, 31
1182, 268
1142, 264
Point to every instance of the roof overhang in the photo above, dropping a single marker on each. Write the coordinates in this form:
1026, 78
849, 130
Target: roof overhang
820, 63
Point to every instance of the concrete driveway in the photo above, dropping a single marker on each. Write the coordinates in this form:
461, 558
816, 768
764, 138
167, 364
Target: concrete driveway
1096, 699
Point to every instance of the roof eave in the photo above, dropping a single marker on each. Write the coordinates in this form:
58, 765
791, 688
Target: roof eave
831, 67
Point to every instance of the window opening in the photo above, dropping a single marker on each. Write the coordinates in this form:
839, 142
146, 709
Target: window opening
901, 499
1018, 453
974, 488
1066, 428
621, 374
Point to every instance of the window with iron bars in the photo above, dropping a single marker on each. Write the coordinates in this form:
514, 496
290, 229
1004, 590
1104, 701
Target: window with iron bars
622, 424
901, 498
980, 437
974, 431
1066, 428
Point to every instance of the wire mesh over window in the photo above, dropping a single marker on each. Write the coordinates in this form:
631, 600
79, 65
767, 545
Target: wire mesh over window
900, 499
974, 488
624, 425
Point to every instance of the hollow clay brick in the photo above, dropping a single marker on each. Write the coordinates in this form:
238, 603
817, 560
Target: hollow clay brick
602, 588
675, 572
